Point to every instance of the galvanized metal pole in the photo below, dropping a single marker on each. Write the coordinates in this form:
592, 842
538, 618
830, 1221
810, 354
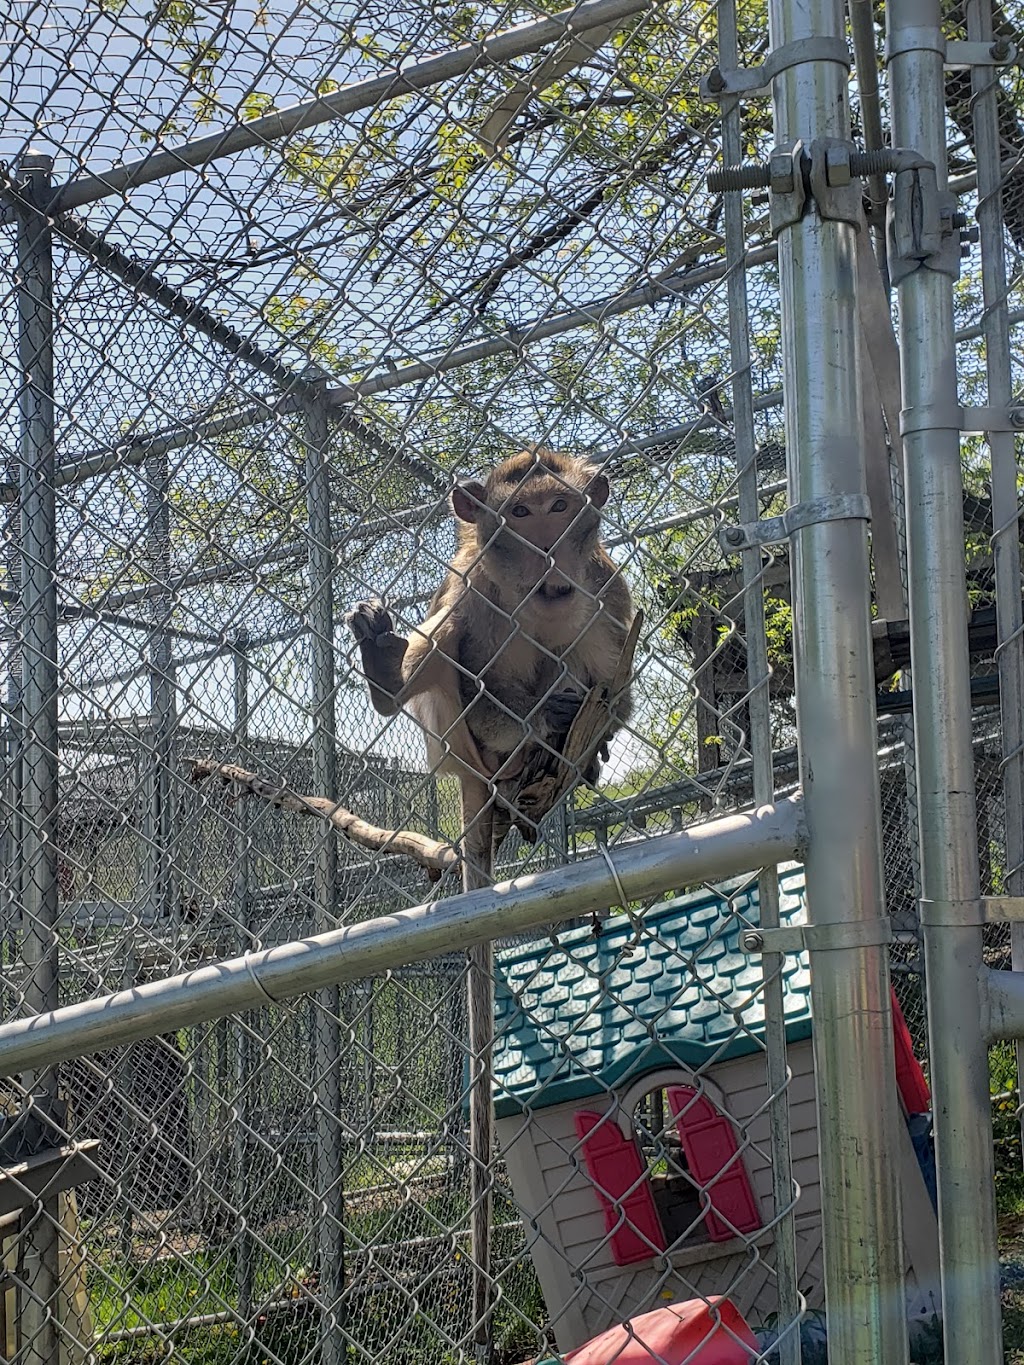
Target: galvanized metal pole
160, 825
330, 1154
1005, 514
951, 913
784, 1192
713, 851
38, 794
13, 730
243, 1041
853, 1039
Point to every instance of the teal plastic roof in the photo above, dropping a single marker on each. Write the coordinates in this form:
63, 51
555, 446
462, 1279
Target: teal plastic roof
573, 1019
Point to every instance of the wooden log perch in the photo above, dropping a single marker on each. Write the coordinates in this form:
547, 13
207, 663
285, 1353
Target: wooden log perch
436, 857
526, 799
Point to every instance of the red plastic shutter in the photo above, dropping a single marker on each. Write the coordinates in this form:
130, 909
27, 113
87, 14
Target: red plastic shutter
910, 1079
619, 1174
709, 1141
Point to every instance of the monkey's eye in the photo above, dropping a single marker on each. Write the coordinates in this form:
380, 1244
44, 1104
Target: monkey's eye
558, 505
520, 511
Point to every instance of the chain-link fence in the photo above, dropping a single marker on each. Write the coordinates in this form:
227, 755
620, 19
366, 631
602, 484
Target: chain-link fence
283, 274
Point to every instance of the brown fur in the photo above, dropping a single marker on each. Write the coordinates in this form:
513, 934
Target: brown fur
531, 614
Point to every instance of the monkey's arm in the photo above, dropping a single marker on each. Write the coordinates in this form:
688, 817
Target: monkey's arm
382, 652
399, 670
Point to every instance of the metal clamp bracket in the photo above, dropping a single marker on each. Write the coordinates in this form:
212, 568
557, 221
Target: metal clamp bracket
818, 938
924, 225
999, 53
951, 914
755, 80
774, 530
950, 416
1002, 909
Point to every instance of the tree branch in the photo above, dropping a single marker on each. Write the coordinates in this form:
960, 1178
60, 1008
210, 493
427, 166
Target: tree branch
436, 857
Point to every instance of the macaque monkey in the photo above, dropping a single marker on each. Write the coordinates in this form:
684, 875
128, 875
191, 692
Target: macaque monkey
531, 614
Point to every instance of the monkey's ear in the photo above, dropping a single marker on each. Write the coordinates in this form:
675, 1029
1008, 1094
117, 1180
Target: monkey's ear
469, 500
598, 490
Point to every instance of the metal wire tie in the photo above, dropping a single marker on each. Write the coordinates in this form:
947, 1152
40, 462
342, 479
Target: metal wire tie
774, 530
634, 920
247, 959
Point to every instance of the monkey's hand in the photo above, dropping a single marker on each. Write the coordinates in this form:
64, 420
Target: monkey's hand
559, 711
382, 652
371, 621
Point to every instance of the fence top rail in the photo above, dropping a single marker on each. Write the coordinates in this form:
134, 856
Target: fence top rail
404, 80
741, 842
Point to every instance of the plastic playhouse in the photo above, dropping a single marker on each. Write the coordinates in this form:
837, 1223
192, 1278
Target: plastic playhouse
597, 1032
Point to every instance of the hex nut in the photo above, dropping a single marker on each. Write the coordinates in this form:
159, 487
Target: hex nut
780, 173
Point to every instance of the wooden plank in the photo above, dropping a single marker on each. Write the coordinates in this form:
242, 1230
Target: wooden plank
46, 1174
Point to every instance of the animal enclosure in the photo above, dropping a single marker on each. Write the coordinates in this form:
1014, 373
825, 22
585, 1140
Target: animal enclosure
280, 276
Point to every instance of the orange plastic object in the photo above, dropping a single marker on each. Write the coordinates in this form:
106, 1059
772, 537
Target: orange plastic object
689, 1332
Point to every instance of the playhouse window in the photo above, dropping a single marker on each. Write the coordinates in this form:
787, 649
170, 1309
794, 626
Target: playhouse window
676, 1197
651, 1182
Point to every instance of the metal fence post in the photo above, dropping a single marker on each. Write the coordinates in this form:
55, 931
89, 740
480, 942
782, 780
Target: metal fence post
38, 794
853, 1040
330, 1148
951, 913
759, 711
242, 1196
160, 824
1002, 444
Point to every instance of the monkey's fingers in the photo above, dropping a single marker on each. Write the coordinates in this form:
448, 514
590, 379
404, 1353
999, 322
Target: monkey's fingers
561, 709
370, 620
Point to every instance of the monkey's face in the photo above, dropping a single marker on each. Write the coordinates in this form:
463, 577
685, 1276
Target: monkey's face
537, 528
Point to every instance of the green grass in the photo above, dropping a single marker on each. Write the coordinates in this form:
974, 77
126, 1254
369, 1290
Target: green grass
187, 1278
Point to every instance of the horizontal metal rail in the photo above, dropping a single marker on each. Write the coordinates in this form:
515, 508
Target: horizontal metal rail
720, 848
136, 449
418, 77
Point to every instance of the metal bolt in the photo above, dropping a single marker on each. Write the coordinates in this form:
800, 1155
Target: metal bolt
1017, 418
715, 81
751, 941
734, 535
1000, 50
753, 177
780, 173
959, 220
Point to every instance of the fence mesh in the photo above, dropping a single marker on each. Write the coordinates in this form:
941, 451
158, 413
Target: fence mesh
444, 233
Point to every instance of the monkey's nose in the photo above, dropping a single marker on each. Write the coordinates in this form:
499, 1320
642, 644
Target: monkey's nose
556, 590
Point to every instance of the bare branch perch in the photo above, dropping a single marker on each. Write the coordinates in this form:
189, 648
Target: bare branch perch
436, 857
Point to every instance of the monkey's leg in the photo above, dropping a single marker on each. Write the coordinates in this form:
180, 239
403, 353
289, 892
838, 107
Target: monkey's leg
478, 829
382, 653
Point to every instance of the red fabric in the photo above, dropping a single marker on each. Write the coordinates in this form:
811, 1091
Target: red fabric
620, 1178
709, 1141
910, 1079
689, 1332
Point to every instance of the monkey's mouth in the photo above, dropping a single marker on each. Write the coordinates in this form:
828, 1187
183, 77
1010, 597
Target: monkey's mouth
555, 592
